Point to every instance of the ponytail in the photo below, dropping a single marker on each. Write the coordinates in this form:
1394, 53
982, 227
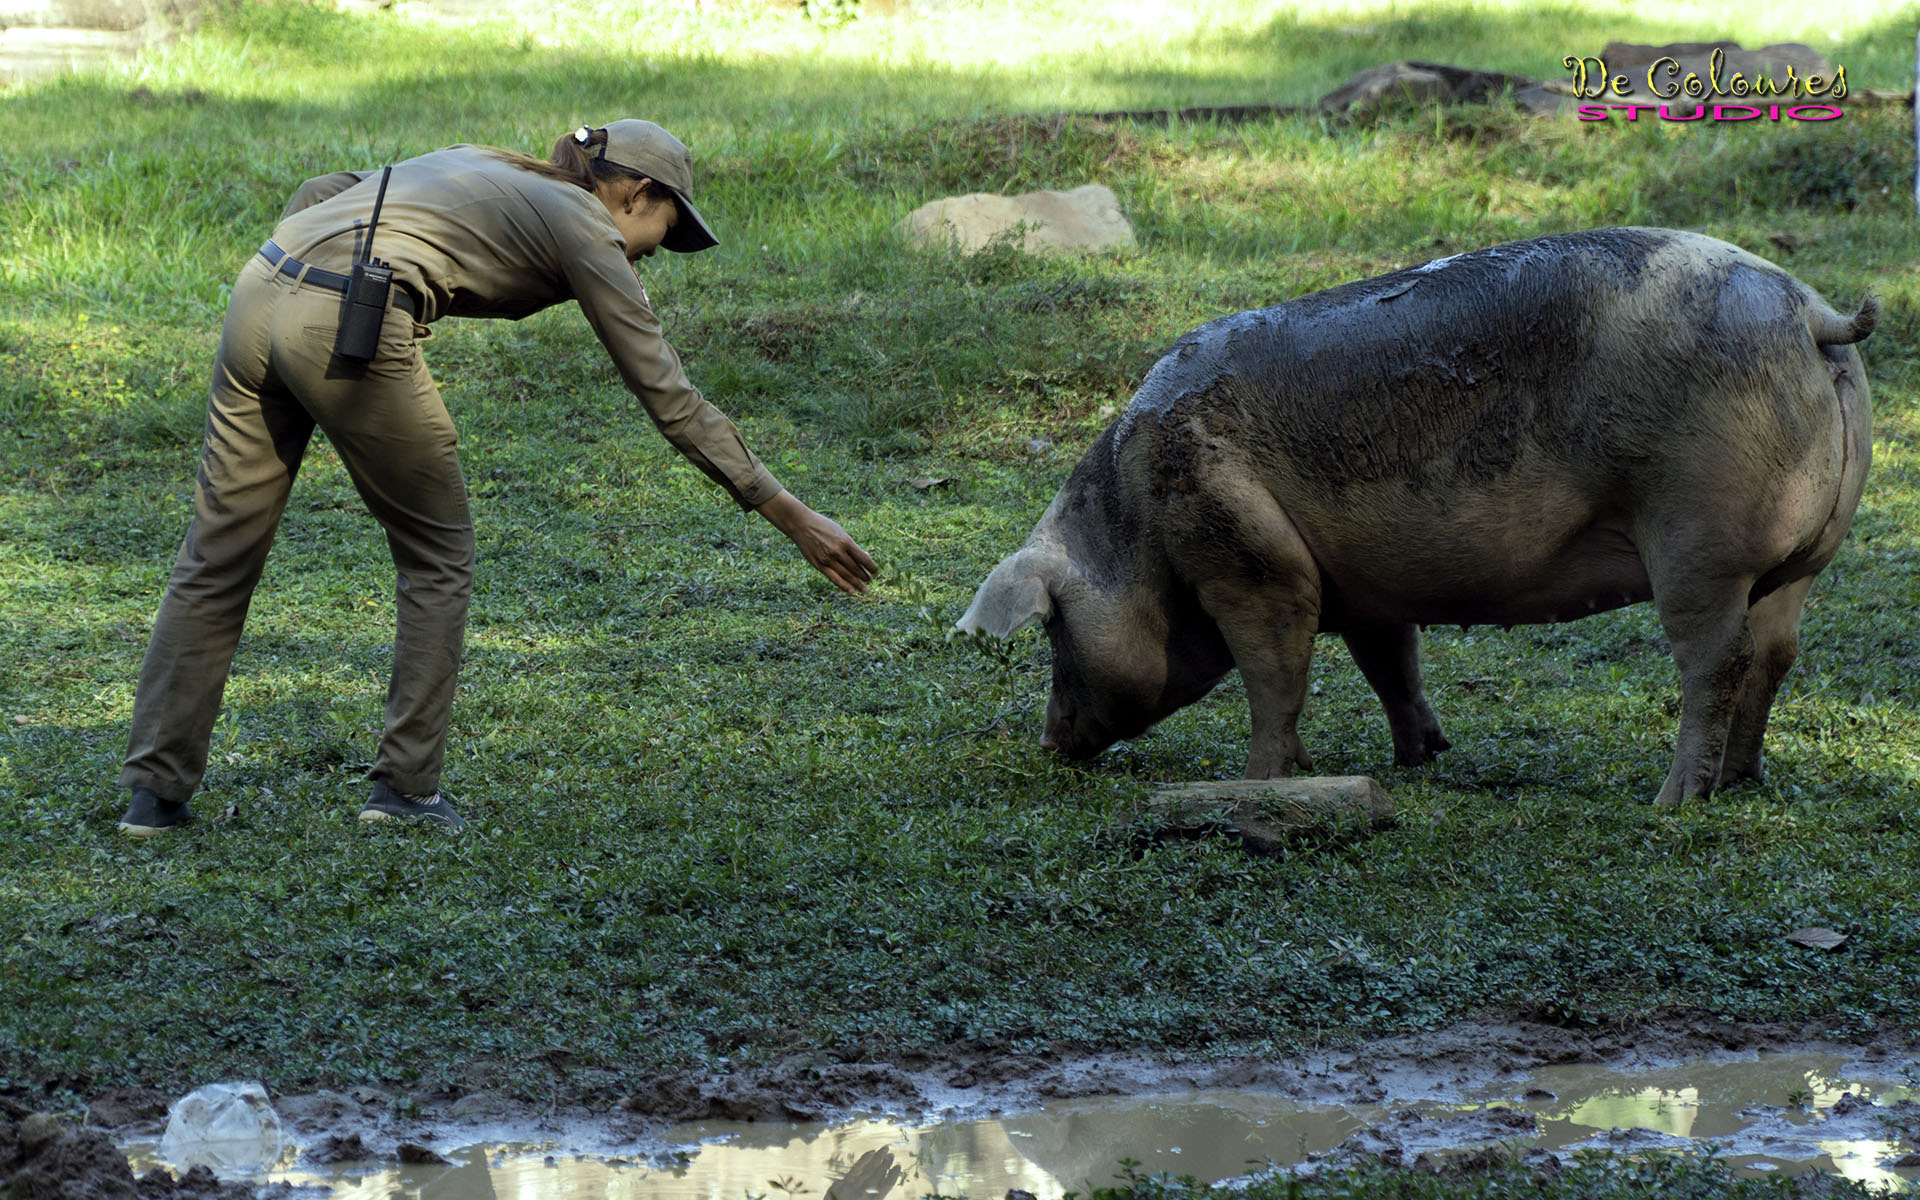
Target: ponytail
573, 160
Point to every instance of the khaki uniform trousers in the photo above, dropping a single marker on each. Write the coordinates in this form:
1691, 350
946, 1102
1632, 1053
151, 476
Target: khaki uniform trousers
274, 378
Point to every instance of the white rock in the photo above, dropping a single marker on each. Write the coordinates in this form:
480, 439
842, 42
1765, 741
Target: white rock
1086, 219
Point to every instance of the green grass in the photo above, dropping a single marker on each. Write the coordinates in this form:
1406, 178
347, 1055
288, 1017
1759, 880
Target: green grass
722, 815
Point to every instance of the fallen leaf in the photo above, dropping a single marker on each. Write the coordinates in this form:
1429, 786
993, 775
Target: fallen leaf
1816, 937
23, 720
926, 481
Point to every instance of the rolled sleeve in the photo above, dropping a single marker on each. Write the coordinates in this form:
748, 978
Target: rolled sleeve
604, 285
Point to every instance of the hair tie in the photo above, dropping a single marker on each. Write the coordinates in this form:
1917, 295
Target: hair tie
583, 135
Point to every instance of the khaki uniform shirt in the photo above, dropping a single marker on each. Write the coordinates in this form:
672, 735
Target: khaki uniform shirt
473, 236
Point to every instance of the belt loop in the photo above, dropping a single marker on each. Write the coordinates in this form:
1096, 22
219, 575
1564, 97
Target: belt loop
273, 267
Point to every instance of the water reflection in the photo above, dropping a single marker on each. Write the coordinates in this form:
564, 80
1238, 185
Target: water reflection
1721, 1102
1211, 1135
1774, 1113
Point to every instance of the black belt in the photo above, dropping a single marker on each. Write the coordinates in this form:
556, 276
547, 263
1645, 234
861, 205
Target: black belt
333, 281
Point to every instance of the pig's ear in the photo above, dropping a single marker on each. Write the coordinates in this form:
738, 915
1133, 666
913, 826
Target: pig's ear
1017, 594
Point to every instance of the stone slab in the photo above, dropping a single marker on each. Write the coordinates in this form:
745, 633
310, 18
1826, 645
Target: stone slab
1265, 815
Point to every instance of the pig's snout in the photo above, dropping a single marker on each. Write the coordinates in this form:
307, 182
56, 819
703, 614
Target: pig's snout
1068, 732
1057, 733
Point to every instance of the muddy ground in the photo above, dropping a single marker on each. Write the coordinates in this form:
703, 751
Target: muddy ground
73, 1155
46, 1157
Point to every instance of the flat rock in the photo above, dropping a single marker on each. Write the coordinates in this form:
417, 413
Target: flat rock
1411, 84
1085, 220
1265, 815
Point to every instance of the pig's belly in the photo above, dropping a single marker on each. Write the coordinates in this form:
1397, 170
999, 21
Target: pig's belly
1463, 584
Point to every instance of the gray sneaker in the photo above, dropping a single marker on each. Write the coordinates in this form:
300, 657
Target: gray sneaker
147, 814
386, 805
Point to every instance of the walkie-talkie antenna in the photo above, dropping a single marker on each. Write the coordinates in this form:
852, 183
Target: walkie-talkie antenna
373, 223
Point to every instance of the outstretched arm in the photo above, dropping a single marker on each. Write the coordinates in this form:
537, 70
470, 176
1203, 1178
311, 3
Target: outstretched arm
822, 541
602, 281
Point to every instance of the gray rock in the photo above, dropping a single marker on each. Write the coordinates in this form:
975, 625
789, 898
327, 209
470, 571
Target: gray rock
1408, 84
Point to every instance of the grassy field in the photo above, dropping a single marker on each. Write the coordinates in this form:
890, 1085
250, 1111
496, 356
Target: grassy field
722, 815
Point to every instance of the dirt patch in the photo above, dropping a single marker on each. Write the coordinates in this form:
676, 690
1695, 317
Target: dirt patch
795, 1092
129, 1109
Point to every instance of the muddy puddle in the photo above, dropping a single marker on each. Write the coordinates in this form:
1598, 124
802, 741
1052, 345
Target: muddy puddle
1773, 1112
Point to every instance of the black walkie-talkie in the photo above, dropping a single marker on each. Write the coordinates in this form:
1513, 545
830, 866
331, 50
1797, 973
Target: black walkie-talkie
365, 305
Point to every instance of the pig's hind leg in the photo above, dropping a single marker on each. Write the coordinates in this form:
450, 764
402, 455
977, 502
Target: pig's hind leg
1389, 657
1705, 620
1775, 621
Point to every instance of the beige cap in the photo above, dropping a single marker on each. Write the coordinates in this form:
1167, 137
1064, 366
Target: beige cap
645, 147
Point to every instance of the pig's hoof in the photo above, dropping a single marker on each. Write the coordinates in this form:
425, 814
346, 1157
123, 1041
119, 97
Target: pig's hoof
1419, 756
1421, 747
1731, 774
1420, 753
1275, 758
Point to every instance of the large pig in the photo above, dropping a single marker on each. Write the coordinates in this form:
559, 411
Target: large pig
1532, 432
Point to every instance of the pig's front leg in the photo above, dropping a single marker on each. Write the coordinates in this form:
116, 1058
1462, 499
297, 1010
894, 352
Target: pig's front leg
1256, 580
1273, 650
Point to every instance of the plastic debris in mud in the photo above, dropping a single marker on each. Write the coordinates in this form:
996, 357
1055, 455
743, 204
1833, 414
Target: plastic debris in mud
229, 1127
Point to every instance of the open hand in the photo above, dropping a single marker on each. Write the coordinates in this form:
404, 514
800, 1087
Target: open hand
822, 542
